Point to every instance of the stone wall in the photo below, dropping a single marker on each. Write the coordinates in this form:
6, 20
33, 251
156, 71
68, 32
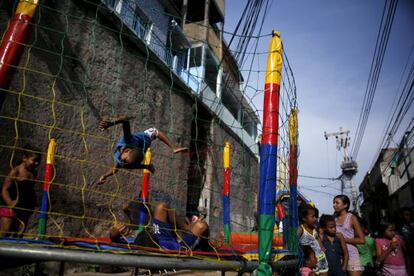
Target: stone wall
243, 186
77, 70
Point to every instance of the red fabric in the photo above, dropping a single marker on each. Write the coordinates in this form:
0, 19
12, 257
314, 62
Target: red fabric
7, 212
145, 186
293, 165
252, 238
226, 182
270, 114
281, 211
48, 177
305, 271
12, 48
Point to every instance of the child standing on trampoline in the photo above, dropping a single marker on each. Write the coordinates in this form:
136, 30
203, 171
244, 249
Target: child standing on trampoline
18, 197
130, 149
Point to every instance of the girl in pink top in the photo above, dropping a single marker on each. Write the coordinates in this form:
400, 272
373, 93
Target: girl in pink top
310, 261
390, 251
348, 225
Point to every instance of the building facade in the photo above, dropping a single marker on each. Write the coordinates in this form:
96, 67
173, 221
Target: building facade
388, 187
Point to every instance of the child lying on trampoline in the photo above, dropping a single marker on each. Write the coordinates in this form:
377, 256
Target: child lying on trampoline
169, 231
130, 149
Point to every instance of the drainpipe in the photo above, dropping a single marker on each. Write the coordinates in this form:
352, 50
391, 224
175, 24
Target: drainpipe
184, 8
205, 42
219, 87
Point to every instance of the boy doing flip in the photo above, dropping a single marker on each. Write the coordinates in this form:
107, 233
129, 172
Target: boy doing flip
130, 149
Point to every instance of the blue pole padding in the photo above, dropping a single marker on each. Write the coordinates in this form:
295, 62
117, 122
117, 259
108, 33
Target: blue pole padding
294, 206
267, 190
226, 209
44, 205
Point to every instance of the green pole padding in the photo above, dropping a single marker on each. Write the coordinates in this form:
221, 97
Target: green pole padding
41, 228
293, 243
141, 229
227, 233
266, 224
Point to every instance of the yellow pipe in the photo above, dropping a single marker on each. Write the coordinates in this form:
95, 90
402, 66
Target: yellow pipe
226, 155
27, 7
147, 159
293, 127
51, 152
274, 60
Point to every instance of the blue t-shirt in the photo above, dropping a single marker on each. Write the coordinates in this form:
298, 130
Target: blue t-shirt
165, 235
137, 140
333, 255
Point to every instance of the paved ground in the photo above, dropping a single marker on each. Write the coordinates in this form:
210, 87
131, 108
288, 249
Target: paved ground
178, 273
52, 268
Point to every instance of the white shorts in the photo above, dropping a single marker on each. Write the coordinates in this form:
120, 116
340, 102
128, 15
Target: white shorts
152, 133
354, 265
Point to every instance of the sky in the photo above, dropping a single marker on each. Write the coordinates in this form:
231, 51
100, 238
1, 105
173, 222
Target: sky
330, 46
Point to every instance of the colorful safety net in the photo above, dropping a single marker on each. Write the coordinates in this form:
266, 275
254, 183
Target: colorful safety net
66, 66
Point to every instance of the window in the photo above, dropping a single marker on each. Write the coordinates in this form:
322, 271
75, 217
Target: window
195, 57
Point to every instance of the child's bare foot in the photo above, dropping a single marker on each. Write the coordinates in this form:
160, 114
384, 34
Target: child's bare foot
180, 150
218, 240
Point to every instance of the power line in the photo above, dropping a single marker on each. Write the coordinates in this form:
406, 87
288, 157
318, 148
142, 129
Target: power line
376, 66
317, 191
319, 177
404, 103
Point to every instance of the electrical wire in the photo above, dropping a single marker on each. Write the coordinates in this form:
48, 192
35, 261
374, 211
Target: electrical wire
376, 66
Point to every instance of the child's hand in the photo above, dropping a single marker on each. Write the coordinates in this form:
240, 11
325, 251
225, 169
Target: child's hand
101, 180
394, 244
180, 150
218, 240
13, 203
118, 229
121, 228
344, 268
105, 123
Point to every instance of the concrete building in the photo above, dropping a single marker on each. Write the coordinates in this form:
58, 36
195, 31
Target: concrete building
163, 62
389, 186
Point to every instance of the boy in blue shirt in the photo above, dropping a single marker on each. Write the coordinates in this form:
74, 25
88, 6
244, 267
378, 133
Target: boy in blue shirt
130, 149
335, 246
167, 230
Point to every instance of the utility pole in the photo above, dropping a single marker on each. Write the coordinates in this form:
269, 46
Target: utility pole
349, 167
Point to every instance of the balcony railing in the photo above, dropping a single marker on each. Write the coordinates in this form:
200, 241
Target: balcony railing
176, 61
126, 11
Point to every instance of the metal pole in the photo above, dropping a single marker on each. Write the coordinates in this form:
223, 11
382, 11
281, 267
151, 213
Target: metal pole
144, 195
226, 193
355, 196
205, 38
268, 154
184, 8
12, 44
123, 259
342, 184
293, 181
48, 178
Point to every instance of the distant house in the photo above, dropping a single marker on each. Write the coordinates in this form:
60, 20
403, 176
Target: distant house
389, 186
